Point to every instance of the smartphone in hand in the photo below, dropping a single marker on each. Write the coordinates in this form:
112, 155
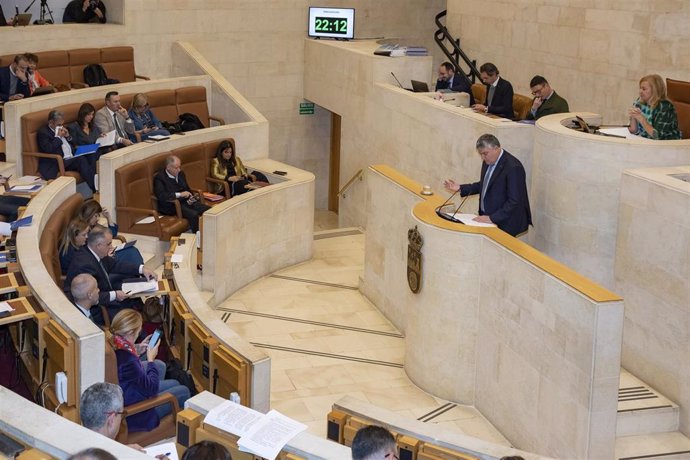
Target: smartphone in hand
155, 337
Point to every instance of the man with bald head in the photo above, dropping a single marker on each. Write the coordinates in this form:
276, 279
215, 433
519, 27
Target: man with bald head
170, 184
85, 292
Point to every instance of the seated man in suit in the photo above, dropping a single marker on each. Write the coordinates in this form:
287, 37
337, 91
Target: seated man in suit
55, 138
84, 289
502, 188
499, 93
14, 80
170, 184
448, 80
94, 259
546, 101
114, 117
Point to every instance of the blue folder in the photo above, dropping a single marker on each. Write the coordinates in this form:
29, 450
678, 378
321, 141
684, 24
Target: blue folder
86, 149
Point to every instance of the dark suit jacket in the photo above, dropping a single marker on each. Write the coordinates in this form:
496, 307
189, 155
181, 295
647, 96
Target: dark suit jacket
554, 104
506, 201
165, 188
502, 103
85, 262
457, 84
48, 143
22, 88
139, 381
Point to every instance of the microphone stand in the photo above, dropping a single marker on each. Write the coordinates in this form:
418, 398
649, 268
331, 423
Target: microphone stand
451, 217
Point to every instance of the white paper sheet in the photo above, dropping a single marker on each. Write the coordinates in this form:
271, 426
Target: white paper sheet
107, 140
620, 131
146, 220
168, 449
233, 418
268, 437
467, 219
5, 229
159, 137
176, 258
139, 287
4, 306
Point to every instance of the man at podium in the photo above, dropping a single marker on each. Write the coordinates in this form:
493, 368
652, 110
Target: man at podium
502, 188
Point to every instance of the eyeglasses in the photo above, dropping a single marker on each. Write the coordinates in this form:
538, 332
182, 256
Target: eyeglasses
395, 457
115, 412
538, 90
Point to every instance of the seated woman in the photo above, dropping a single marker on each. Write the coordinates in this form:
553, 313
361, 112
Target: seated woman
90, 212
73, 239
652, 115
227, 166
36, 80
145, 122
141, 379
85, 132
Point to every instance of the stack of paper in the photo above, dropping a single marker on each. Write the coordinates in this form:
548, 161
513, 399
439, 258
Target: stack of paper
134, 288
261, 435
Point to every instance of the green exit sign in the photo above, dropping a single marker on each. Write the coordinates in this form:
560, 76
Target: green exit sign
306, 108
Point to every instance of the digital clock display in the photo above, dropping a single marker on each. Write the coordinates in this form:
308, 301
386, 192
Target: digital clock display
338, 23
331, 25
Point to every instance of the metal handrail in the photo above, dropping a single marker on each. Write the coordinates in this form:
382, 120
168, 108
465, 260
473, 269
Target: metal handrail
357, 175
443, 34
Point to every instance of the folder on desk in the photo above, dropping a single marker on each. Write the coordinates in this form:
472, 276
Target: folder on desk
86, 149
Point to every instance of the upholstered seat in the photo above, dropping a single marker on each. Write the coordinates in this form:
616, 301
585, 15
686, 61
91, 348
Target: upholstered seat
135, 201
52, 234
479, 93
678, 92
521, 106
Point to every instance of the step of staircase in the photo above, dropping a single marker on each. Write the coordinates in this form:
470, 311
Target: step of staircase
643, 410
660, 446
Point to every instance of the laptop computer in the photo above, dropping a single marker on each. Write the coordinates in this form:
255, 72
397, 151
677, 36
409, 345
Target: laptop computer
419, 86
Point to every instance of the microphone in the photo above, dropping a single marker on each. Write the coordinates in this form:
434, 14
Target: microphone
398, 81
451, 218
458, 208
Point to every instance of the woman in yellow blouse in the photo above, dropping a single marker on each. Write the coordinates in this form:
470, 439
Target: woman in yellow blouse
227, 166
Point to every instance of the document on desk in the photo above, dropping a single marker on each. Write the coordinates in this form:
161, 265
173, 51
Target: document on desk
233, 418
107, 140
467, 219
168, 449
268, 437
620, 131
134, 288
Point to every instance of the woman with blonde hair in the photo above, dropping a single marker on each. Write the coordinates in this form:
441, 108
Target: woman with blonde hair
653, 116
145, 122
73, 239
139, 379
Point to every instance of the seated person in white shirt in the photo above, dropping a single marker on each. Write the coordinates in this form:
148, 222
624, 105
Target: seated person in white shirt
114, 117
55, 138
85, 292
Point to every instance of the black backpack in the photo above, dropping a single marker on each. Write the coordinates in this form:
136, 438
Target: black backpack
175, 371
190, 122
94, 75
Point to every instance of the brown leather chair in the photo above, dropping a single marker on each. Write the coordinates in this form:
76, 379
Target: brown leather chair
479, 93
521, 106
193, 100
209, 154
165, 430
78, 59
135, 201
163, 104
54, 66
52, 235
678, 92
31, 122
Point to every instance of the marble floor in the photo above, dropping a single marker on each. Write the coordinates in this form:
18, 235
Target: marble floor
326, 341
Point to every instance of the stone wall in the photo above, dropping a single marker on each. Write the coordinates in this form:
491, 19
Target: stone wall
652, 273
592, 52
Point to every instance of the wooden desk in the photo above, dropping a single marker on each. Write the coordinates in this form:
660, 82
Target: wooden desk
22, 310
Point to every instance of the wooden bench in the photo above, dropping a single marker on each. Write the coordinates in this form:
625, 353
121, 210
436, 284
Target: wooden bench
167, 105
134, 189
64, 69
